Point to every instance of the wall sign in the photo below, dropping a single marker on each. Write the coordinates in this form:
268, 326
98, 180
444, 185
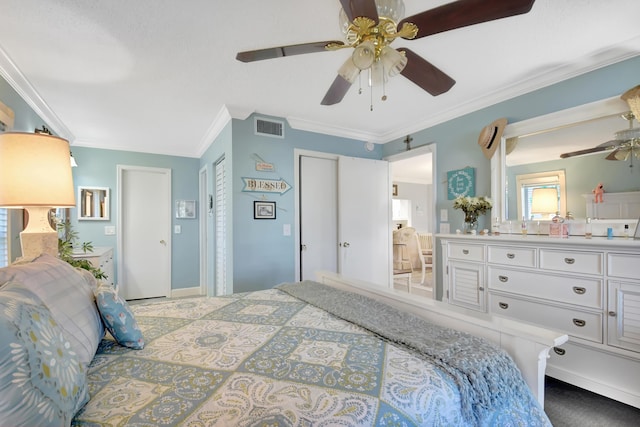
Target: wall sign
461, 182
259, 185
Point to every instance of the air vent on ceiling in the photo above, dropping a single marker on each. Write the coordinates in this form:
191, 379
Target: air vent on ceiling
270, 128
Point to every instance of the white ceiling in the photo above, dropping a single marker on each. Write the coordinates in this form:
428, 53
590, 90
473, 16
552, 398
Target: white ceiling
161, 76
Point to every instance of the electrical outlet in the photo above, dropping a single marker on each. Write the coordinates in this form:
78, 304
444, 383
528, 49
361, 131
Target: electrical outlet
177, 229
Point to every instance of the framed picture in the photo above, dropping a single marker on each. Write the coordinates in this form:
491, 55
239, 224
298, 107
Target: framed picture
264, 210
186, 209
461, 182
394, 192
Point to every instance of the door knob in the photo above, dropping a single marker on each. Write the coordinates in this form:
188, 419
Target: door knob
303, 247
162, 242
345, 245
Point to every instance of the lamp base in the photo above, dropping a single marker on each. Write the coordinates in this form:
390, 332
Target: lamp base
36, 244
38, 237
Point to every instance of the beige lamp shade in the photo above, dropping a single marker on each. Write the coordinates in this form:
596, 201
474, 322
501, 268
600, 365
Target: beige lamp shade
35, 171
35, 174
544, 201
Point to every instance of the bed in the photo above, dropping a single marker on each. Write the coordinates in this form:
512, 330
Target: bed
330, 352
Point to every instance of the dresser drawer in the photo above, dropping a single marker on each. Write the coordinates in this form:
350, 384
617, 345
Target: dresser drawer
571, 261
625, 266
465, 251
517, 257
582, 291
576, 323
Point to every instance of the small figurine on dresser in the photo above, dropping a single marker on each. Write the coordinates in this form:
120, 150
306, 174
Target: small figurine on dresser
598, 192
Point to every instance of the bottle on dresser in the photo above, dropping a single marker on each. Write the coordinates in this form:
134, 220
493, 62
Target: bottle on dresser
588, 230
558, 227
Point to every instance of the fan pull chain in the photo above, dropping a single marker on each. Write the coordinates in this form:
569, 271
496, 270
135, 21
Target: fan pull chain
360, 83
384, 86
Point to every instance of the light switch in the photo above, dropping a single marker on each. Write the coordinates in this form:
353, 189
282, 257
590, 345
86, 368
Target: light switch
109, 230
286, 229
177, 229
444, 215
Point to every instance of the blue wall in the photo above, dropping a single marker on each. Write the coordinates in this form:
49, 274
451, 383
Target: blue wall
261, 255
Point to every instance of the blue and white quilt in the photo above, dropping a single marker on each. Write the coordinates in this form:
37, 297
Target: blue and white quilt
268, 358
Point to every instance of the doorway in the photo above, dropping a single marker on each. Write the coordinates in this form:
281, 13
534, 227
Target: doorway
413, 174
144, 234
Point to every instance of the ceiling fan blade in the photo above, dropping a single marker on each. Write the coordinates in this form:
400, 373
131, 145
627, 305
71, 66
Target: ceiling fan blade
337, 91
356, 8
582, 152
280, 51
425, 74
611, 144
463, 13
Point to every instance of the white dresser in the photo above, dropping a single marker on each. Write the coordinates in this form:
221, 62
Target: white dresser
102, 258
589, 289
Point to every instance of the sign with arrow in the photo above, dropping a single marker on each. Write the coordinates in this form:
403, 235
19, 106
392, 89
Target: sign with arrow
259, 185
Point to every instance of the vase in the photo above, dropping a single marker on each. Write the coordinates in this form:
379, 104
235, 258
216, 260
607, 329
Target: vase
470, 223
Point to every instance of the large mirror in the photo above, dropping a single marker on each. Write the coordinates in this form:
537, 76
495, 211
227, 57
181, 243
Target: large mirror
529, 162
93, 203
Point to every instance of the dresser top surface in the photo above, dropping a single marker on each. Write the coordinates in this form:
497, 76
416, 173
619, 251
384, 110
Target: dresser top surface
544, 240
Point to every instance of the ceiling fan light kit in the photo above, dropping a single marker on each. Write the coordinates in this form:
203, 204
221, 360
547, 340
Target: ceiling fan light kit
370, 26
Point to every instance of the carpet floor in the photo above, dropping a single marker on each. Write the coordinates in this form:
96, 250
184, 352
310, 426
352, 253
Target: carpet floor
570, 406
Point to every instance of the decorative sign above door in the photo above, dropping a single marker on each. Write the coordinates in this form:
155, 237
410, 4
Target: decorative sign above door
259, 185
461, 182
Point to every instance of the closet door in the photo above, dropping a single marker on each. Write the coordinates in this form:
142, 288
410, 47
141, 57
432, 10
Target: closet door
364, 209
221, 287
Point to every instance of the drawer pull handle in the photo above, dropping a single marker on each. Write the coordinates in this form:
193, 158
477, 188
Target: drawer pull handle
481, 289
559, 351
503, 279
465, 251
511, 256
578, 290
613, 314
569, 260
579, 322
503, 305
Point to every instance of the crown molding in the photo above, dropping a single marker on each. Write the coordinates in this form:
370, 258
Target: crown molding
30, 95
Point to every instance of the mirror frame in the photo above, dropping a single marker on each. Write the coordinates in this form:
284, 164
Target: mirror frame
81, 190
540, 124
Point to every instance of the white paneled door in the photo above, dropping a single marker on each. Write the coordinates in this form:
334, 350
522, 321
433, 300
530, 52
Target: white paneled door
344, 217
144, 232
319, 215
364, 198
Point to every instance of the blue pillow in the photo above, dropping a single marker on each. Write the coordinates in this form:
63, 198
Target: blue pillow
42, 380
118, 318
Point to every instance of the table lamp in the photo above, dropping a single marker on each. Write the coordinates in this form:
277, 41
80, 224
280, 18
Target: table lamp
544, 201
35, 174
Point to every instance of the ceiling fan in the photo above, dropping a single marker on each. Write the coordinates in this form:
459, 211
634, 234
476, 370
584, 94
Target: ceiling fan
370, 26
626, 144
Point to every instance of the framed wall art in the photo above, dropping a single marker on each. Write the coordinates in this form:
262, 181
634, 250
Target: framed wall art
461, 182
264, 210
186, 209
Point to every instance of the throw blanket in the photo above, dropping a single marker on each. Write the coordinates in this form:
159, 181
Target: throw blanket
485, 374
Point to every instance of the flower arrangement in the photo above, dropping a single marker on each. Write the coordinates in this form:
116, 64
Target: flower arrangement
473, 205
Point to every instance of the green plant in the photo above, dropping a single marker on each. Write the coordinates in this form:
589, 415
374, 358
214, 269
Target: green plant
67, 238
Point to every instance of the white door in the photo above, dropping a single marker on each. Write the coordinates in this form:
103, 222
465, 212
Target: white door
364, 194
221, 287
318, 214
362, 218
144, 232
203, 222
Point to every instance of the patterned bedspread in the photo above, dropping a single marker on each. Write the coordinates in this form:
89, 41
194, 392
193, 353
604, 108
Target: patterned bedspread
269, 359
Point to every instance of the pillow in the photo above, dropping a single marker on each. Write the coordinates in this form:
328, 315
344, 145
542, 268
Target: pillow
42, 380
69, 297
118, 317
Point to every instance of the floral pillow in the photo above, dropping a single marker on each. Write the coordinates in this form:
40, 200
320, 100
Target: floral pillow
118, 318
42, 381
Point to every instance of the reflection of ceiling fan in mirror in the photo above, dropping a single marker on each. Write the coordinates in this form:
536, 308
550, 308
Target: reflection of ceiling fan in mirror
370, 26
625, 146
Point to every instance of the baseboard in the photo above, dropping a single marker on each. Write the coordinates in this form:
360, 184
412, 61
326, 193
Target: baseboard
185, 292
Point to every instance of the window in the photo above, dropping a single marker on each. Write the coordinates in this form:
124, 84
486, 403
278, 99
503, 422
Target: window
527, 183
4, 238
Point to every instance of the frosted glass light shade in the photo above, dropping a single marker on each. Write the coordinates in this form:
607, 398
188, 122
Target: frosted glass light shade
392, 61
364, 55
349, 71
